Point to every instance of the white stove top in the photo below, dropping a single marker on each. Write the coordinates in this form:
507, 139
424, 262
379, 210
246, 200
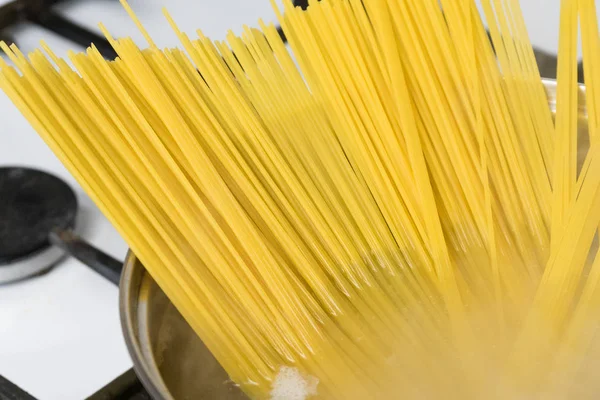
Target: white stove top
60, 335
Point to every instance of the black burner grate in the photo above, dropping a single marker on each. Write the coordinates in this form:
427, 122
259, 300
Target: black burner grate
41, 13
125, 387
10, 391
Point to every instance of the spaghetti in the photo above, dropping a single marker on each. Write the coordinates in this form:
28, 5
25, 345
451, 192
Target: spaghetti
389, 208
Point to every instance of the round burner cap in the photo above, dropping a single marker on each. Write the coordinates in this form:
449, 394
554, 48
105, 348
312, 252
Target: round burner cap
32, 204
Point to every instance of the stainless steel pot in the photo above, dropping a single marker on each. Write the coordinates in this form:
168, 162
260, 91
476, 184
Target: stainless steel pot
169, 358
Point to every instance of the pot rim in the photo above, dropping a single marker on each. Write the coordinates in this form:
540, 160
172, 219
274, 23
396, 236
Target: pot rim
132, 276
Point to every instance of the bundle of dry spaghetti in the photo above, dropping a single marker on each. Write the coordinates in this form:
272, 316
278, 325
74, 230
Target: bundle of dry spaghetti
387, 208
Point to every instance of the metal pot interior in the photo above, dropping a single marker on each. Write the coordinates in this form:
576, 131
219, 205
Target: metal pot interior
169, 358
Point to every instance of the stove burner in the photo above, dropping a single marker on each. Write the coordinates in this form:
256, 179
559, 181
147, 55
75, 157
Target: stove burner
37, 217
32, 204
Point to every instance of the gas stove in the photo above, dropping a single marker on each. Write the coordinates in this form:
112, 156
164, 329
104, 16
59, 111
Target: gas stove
60, 335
